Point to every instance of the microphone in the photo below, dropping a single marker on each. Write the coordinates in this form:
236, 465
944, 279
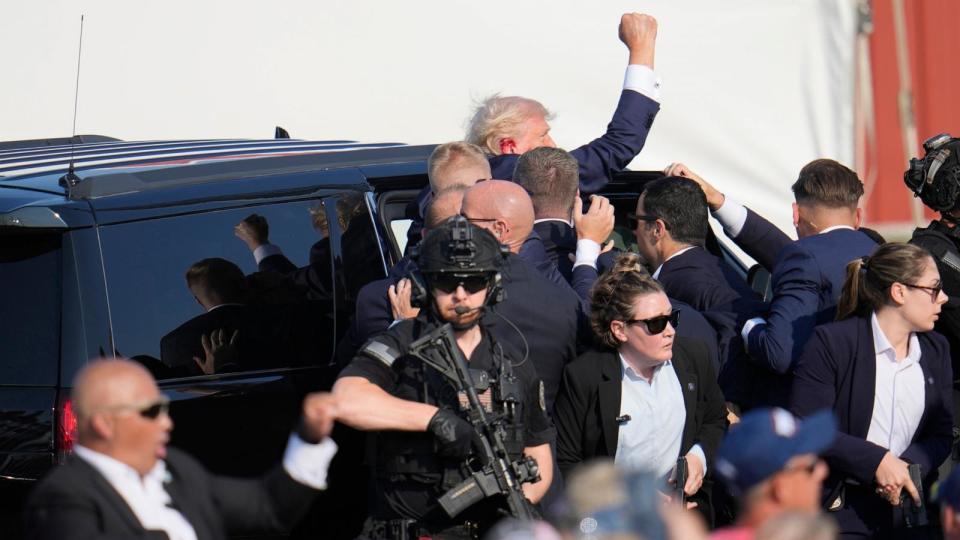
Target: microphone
623, 419
463, 310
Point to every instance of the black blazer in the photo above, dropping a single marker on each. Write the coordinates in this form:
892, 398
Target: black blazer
589, 402
559, 240
76, 501
838, 371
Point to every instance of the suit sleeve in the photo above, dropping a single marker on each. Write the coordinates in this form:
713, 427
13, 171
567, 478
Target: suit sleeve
584, 276
793, 311
623, 140
761, 240
933, 446
815, 389
569, 416
274, 502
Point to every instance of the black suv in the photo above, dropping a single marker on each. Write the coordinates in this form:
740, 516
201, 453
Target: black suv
93, 262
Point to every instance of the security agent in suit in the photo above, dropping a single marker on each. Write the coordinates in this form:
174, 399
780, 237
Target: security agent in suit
888, 379
423, 440
508, 126
644, 398
671, 225
123, 482
808, 273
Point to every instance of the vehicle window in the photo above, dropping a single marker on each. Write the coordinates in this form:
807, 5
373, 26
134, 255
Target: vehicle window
30, 278
187, 296
360, 259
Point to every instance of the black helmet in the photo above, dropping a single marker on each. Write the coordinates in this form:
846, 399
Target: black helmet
936, 177
459, 247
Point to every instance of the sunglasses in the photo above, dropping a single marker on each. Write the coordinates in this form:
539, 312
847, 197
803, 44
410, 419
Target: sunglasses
150, 411
633, 220
934, 291
655, 325
448, 283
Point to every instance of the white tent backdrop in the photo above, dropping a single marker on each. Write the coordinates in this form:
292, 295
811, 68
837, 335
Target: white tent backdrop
752, 89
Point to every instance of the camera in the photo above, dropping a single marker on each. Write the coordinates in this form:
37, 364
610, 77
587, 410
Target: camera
935, 178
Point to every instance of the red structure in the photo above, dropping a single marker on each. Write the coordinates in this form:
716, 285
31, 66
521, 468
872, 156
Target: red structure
914, 97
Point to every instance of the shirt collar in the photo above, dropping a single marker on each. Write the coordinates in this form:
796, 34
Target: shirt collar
836, 227
566, 222
656, 275
218, 306
881, 345
115, 469
627, 370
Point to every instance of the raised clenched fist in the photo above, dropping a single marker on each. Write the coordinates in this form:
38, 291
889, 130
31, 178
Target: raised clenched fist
638, 32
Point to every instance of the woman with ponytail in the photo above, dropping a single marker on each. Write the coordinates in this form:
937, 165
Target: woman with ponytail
888, 378
644, 397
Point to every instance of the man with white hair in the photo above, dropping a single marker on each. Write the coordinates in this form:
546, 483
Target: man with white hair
508, 126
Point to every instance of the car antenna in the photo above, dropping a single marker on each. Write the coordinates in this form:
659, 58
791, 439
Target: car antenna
70, 179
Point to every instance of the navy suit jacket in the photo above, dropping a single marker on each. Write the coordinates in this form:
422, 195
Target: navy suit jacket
838, 371
808, 276
712, 287
611, 153
559, 241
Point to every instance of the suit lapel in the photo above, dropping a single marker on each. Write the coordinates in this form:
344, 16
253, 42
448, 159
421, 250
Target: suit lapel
106, 491
609, 393
180, 499
863, 386
929, 383
690, 387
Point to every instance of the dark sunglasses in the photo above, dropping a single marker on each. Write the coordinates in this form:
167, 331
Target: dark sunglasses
633, 220
448, 283
934, 291
655, 325
150, 411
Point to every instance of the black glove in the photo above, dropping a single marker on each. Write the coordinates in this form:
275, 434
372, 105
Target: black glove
454, 434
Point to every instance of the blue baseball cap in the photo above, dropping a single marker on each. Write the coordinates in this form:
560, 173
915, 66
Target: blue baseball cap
948, 490
764, 440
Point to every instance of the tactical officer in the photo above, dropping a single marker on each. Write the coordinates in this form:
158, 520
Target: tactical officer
935, 178
423, 444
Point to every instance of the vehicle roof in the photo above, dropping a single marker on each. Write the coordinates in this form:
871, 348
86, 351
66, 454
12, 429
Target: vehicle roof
118, 169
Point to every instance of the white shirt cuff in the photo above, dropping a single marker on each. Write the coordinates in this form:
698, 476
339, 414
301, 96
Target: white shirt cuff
587, 252
640, 78
747, 327
732, 216
308, 463
698, 451
265, 251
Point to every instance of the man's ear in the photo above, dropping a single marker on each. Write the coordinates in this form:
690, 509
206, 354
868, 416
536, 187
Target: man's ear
857, 218
502, 228
508, 145
796, 215
102, 426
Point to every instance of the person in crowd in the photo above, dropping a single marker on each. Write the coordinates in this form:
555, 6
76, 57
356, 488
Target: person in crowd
220, 288
450, 165
124, 482
888, 378
671, 226
422, 435
551, 176
808, 274
948, 496
770, 462
508, 126
645, 398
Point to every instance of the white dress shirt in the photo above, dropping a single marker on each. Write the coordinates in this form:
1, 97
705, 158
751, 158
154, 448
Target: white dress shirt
898, 401
656, 274
150, 502
650, 439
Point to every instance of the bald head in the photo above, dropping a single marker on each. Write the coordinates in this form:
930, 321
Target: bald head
444, 206
507, 207
108, 397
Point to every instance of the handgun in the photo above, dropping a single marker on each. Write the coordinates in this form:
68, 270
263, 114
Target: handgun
681, 480
912, 514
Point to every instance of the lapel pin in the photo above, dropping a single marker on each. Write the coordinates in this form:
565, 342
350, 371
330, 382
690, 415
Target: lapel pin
690, 386
930, 380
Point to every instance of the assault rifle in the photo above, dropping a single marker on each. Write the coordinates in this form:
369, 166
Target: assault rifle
497, 474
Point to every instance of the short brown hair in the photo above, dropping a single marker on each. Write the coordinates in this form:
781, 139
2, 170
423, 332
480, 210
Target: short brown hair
218, 276
827, 183
551, 176
612, 296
